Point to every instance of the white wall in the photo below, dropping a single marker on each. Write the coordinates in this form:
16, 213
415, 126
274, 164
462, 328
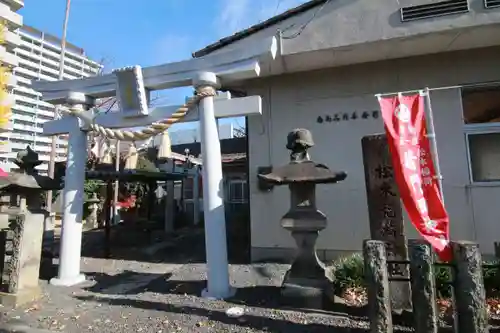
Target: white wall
297, 100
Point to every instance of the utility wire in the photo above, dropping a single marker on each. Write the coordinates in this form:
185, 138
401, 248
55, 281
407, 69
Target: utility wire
277, 7
304, 26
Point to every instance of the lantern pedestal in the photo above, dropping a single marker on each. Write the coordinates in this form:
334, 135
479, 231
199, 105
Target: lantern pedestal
305, 281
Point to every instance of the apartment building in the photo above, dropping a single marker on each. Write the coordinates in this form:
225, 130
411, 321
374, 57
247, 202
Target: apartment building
38, 55
10, 21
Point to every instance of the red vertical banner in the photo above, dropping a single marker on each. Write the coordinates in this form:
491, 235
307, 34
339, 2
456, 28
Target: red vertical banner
414, 171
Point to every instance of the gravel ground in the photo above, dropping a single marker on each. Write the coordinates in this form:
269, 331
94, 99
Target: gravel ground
124, 297
162, 296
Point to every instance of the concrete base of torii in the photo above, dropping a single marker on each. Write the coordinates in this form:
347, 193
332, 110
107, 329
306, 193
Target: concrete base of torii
68, 281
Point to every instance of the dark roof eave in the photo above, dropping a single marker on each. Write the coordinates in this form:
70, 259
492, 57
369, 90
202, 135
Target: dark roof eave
256, 28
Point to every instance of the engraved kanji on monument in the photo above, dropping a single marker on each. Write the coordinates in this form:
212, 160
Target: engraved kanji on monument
385, 212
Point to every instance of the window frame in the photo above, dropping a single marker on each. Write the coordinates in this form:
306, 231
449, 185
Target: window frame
477, 129
242, 183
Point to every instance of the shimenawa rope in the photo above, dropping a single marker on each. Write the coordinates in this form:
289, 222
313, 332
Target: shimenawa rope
154, 128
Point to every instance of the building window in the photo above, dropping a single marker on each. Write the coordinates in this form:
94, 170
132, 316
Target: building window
481, 107
237, 191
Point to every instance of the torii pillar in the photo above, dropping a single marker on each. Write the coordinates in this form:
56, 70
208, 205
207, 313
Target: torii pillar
213, 195
73, 197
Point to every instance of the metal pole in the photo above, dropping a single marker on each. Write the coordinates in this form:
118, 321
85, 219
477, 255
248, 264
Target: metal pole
431, 133
117, 184
53, 145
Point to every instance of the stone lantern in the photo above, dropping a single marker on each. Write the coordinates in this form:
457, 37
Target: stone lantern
26, 226
27, 184
305, 282
93, 208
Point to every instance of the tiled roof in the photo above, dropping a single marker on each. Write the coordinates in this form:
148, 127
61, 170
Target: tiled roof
257, 27
230, 158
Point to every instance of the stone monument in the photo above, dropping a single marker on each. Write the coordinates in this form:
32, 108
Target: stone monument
305, 282
21, 244
386, 214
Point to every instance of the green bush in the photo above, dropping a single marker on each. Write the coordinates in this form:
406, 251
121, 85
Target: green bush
443, 275
90, 187
348, 272
491, 277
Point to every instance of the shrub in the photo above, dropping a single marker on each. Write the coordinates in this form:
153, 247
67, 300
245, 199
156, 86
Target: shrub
491, 277
349, 272
443, 276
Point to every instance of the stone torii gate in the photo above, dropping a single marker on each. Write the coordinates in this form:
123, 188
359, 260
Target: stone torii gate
132, 86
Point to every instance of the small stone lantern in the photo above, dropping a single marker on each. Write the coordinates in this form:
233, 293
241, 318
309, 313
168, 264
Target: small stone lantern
27, 184
305, 282
93, 216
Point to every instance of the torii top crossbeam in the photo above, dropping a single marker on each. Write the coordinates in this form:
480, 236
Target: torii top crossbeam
229, 66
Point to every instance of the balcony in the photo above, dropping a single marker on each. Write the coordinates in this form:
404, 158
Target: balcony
22, 80
34, 95
13, 19
49, 56
31, 119
11, 39
8, 58
32, 110
15, 5
26, 72
34, 143
27, 128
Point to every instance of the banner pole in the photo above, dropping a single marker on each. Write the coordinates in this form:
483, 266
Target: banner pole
431, 133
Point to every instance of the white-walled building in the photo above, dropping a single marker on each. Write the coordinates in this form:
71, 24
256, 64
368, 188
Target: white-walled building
38, 55
334, 56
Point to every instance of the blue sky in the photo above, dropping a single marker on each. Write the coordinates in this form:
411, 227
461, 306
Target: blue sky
149, 32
